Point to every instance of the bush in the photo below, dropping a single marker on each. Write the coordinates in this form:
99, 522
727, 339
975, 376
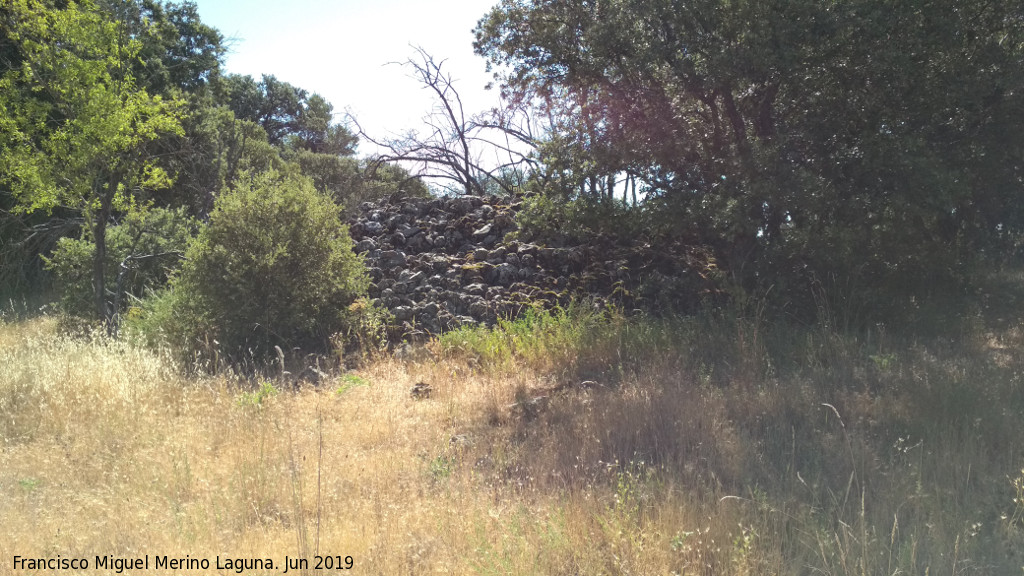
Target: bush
149, 242
576, 340
553, 221
274, 267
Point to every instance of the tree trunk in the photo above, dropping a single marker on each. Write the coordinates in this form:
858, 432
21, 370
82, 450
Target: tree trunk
99, 230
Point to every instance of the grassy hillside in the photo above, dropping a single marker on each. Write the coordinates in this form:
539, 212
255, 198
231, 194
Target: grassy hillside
570, 443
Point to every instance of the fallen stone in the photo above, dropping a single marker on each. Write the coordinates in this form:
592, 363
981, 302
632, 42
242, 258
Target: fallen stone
364, 246
392, 258
483, 232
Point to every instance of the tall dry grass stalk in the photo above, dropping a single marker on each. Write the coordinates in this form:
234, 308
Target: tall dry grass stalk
699, 448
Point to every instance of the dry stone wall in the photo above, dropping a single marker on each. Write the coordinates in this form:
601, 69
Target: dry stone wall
440, 263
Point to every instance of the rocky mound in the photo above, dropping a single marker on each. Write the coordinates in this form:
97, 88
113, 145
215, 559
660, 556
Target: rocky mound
441, 263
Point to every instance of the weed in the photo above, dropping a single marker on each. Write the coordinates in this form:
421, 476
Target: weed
349, 382
266, 391
441, 467
28, 485
1018, 500
883, 361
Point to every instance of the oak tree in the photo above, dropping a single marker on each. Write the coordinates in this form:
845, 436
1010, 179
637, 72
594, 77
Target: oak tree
861, 138
74, 124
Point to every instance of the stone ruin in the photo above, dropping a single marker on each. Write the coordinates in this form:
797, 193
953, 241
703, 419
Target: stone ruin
441, 263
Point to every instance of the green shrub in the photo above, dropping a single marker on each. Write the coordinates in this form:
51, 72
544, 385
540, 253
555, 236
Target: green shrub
149, 244
578, 339
274, 267
551, 220
255, 399
161, 318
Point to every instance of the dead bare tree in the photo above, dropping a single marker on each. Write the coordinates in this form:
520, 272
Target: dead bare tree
457, 148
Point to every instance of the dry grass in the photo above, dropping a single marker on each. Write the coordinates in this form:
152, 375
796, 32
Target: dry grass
722, 449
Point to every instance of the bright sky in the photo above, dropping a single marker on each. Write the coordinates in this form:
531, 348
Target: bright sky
340, 49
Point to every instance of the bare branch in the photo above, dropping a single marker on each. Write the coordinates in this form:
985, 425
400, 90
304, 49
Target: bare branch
454, 147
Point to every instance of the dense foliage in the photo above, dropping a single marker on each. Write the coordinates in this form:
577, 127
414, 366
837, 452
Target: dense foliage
273, 267
75, 126
114, 111
852, 154
140, 253
808, 142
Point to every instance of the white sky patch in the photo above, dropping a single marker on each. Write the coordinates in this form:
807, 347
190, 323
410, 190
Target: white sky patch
341, 50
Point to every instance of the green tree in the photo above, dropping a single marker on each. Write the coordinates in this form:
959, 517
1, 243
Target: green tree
213, 151
178, 53
275, 105
350, 181
142, 251
180, 57
289, 115
856, 137
317, 132
74, 125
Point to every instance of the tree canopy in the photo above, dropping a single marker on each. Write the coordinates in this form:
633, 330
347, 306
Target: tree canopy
109, 107
802, 143
288, 114
875, 134
74, 124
